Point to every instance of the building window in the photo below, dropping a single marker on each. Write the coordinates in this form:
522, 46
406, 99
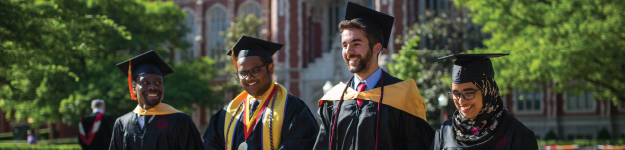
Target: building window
189, 37
216, 46
579, 101
250, 7
528, 101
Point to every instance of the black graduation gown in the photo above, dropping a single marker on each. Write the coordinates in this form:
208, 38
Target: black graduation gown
511, 135
173, 131
356, 126
299, 129
102, 138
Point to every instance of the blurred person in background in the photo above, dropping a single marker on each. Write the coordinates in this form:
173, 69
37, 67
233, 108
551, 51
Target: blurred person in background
95, 129
31, 139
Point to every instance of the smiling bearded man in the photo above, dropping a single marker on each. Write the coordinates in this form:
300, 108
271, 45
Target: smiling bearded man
265, 115
152, 125
373, 110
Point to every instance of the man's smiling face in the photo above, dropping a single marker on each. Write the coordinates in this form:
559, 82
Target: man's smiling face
255, 85
149, 89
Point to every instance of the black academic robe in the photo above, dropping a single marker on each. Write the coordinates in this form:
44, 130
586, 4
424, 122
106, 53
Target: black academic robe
102, 138
173, 131
299, 129
511, 135
355, 128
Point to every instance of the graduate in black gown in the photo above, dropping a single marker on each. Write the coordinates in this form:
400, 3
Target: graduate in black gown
375, 109
152, 125
265, 115
95, 129
481, 121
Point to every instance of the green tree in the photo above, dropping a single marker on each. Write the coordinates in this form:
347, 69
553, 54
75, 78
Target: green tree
57, 56
444, 34
574, 44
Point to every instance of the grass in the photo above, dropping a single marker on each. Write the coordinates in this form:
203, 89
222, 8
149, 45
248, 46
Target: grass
581, 142
66, 143
22, 146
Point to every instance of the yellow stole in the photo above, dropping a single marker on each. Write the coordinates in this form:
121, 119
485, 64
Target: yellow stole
159, 109
277, 119
404, 96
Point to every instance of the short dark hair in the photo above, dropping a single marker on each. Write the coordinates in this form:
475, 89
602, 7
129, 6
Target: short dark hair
97, 103
345, 24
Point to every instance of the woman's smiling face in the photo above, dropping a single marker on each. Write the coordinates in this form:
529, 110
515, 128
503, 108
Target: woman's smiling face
468, 108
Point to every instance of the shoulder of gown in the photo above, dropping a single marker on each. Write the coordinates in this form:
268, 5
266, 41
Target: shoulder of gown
517, 136
300, 128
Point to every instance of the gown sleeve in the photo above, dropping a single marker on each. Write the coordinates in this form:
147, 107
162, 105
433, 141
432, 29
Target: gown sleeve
437, 142
416, 133
117, 142
323, 140
188, 137
529, 140
214, 134
300, 129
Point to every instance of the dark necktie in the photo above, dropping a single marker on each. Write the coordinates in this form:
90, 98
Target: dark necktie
253, 107
361, 87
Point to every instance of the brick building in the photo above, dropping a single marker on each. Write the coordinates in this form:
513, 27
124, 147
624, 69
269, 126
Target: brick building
307, 28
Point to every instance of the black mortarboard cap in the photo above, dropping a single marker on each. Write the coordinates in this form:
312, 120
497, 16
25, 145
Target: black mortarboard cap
472, 67
249, 46
375, 22
146, 63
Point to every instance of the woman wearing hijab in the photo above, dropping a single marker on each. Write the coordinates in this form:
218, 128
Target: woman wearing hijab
481, 121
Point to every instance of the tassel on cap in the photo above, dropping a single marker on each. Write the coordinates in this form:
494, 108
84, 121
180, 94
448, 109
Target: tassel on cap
132, 95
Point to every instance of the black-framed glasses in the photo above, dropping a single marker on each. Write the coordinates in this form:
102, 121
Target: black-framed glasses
254, 72
465, 95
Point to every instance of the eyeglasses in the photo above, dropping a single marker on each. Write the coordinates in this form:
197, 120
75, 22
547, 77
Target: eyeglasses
465, 95
254, 72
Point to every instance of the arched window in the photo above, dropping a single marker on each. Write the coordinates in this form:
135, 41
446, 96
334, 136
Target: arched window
217, 22
250, 7
189, 37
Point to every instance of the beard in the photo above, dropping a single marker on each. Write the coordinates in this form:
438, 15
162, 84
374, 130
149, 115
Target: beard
363, 63
152, 102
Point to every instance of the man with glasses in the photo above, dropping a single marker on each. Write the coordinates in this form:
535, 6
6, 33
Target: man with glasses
265, 115
482, 121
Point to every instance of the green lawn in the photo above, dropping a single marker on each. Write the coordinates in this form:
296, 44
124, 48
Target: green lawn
66, 143
582, 142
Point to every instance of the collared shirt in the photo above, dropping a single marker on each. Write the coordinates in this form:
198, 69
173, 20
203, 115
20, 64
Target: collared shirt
371, 81
141, 120
98, 110
261, 97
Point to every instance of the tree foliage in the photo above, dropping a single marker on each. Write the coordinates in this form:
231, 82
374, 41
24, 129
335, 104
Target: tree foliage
57, 56
569, 43
444, 34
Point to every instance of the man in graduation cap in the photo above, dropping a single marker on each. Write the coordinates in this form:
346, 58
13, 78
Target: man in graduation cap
481, 121
373, 110
152, 125
265, 115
